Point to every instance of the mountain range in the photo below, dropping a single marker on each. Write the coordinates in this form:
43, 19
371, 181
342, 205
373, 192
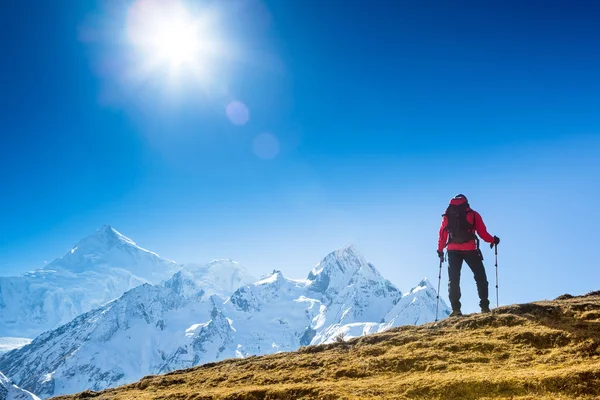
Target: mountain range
544, 350
205, 313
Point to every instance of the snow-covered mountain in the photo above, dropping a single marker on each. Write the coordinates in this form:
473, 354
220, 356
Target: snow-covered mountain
100, 268
10, 391
221, 277
186, 321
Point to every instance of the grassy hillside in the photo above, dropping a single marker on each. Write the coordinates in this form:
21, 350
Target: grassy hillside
543, 350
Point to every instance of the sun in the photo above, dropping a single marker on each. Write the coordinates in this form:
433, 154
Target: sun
179, 44
169, 36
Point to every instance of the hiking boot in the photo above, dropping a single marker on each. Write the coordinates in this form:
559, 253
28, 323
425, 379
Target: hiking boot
485, 309
455, 313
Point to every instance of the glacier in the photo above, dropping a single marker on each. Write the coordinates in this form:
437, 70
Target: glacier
213, 312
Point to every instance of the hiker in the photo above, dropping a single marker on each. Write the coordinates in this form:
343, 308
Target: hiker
459, 225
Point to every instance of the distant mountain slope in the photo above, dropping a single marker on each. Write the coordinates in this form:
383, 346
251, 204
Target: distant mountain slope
10, 391
98, 269
544, 350
220, 277
127, 338
189, 320
10, 343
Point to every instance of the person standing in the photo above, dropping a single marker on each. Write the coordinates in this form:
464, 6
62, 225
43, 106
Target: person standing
460, 227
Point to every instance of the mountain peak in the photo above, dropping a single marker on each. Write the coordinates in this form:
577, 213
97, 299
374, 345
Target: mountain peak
424, 286
348, 250
273, 277
111, 236
106, 238
426, 283
107, 247
105, 228
340, 268
222, 261
345, 260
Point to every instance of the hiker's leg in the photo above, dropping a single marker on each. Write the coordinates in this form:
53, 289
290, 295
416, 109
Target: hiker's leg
475, 262
455, 261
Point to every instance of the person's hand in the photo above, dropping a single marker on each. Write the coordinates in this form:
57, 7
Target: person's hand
495, 242
441, 255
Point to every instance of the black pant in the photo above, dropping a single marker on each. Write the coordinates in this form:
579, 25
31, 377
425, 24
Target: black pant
475, 262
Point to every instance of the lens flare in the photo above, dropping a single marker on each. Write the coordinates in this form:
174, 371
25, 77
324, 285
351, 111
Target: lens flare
237, 112
266, 146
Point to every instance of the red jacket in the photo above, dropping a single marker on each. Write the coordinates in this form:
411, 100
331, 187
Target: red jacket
479, 227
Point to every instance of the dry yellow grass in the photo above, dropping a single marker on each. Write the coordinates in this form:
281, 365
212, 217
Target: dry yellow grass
543, 350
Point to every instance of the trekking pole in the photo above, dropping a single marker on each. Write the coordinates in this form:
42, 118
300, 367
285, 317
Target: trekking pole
496, 251
438, 291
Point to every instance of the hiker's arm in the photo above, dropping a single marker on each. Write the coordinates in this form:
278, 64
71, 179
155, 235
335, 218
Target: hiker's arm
481, 229
443, 238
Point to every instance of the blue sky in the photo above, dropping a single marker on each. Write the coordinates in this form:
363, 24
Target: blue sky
375, 114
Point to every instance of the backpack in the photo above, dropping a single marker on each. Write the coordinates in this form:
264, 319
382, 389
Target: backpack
460, 230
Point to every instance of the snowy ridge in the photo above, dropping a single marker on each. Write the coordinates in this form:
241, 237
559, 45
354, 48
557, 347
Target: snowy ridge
100, 268
213, 312
10, 391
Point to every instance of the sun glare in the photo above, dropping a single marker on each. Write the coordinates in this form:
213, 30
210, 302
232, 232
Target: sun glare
178, 45
167, 35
